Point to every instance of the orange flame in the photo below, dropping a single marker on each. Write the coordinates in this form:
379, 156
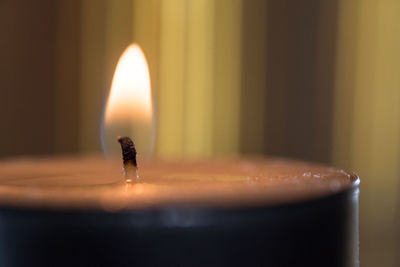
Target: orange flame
129, 109
130, 94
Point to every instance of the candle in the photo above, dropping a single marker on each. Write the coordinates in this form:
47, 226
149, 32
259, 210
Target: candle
254, 211
220, 212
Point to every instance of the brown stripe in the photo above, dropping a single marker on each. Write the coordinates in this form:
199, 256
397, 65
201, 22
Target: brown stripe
298, 119
66, 100
254, 64
27, 76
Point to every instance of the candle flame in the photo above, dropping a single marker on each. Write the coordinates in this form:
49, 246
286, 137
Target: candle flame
129, 109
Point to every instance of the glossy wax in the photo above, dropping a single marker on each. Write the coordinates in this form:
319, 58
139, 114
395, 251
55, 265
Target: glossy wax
95, 183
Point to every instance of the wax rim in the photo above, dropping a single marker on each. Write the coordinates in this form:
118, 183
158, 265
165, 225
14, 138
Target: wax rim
98, 198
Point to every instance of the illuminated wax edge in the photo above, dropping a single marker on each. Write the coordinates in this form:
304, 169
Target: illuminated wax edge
93, 183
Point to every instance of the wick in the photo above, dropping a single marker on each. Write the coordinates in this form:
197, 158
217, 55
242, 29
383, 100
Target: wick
129, 159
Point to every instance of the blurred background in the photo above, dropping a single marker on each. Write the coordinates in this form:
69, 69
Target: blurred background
314, 80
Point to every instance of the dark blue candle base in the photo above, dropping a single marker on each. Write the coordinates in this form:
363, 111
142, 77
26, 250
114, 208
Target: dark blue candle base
321, 232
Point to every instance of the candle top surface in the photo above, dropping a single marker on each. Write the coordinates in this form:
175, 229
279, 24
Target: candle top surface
98, 184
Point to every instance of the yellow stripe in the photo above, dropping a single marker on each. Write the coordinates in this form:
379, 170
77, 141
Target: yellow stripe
344, 83
172, 77
198, 87
227, 73
385, 130
367, 108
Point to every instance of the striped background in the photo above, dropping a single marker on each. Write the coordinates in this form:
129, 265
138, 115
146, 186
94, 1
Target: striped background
316, 80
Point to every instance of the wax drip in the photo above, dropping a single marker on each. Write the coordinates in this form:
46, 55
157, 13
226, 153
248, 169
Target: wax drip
130, 167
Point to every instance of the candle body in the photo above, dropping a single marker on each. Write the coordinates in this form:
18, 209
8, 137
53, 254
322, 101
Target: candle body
309, 229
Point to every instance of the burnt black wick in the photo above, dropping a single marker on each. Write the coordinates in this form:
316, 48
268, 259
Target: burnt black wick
129, 159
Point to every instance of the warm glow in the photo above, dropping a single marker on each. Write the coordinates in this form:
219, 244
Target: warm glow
130, 94
129, 111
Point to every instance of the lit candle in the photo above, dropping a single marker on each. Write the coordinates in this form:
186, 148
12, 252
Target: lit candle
220, 212
214, 212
